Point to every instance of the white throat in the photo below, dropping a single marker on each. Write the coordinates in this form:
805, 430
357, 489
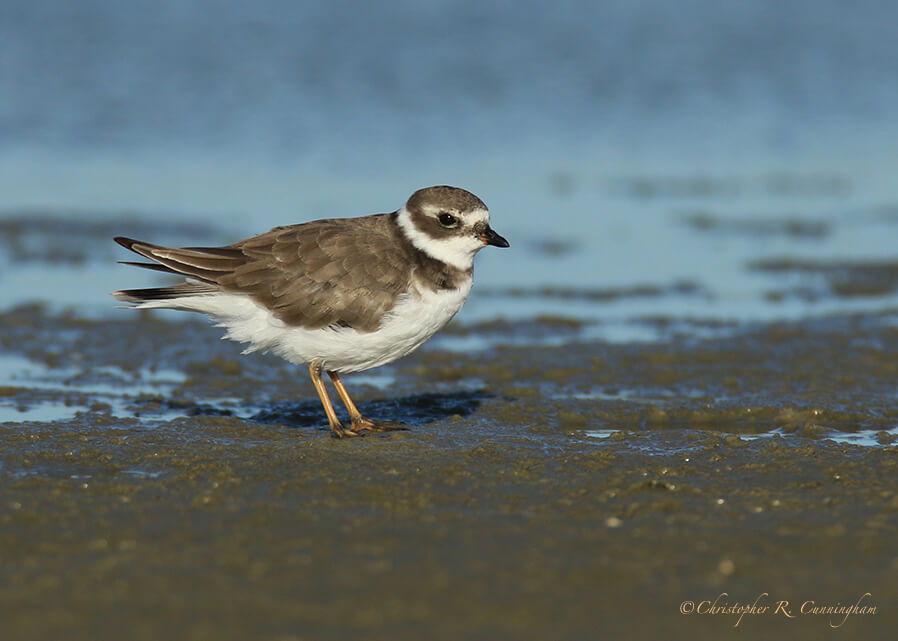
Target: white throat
457, 251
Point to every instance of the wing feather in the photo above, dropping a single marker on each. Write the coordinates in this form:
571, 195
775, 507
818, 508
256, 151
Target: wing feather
311, 275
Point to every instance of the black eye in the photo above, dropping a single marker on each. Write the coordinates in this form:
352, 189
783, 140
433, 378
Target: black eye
447, 220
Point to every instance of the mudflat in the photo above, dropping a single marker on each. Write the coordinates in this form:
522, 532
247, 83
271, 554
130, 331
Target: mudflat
156, 484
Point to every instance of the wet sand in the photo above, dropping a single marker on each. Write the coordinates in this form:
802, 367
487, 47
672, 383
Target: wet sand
574, 491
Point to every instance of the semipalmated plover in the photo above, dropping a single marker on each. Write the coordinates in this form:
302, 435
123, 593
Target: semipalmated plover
342, 294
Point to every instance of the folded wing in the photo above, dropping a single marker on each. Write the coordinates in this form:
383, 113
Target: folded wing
337, 272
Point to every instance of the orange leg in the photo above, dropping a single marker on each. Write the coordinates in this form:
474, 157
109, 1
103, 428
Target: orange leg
315, 369
359, 422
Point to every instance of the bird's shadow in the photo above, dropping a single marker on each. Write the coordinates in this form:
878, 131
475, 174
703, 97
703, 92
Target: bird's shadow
417, 409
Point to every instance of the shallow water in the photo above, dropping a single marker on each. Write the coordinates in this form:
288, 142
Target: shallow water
678, 382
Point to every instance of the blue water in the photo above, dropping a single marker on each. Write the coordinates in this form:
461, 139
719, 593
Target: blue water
596, 128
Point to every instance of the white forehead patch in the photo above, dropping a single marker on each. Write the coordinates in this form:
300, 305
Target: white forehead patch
475, 216
457, 251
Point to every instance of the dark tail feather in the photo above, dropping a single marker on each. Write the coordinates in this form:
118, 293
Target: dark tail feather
165, 293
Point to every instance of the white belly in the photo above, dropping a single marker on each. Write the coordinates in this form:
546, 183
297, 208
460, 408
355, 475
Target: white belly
412, 321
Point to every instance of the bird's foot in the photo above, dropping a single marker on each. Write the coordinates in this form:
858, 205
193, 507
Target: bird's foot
361, 424
342, 432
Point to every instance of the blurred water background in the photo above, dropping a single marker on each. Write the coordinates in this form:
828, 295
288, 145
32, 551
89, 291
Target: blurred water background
692, 160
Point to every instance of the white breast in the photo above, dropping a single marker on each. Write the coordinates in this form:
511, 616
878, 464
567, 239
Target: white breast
416, 317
